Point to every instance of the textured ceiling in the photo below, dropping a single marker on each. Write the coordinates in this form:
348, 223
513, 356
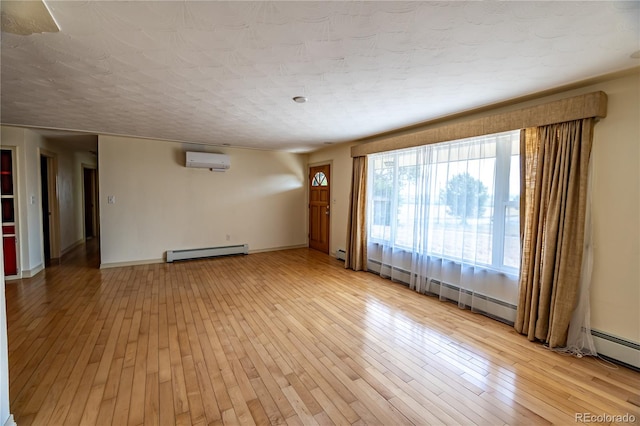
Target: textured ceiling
225, 72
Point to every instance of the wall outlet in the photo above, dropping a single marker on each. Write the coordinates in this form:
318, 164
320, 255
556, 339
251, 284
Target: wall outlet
228, 237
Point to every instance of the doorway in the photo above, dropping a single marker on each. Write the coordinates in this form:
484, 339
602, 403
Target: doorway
49, 206
319, 203
46, 213
90, 191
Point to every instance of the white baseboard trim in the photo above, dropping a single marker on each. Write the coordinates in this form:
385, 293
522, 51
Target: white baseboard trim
10, 278
10, 421
131, 263
297, 246
33, 271
72, 246
617, 348
152, 261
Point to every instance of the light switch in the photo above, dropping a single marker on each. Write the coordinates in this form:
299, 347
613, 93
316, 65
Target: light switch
111, 199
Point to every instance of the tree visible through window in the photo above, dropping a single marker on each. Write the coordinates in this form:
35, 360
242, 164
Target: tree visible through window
464, 196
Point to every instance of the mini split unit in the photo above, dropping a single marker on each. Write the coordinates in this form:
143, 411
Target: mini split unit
205, 160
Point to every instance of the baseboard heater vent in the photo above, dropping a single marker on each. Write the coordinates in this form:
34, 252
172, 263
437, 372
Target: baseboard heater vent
200, 253
341, 254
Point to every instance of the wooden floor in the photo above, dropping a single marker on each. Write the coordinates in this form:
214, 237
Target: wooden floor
283, 337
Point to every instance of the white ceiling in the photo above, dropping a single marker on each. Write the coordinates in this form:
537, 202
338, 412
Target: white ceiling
225, 72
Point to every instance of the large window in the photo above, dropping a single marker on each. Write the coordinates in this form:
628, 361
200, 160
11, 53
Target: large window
457, 200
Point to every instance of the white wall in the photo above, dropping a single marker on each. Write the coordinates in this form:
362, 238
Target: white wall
615, 295
341, 166
161, 205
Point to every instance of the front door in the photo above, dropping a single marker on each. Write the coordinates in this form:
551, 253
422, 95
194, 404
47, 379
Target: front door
319, 197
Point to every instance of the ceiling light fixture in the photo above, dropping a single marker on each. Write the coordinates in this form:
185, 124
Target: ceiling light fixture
300, 99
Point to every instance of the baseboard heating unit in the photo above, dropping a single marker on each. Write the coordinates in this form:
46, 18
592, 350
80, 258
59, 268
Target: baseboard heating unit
200, 253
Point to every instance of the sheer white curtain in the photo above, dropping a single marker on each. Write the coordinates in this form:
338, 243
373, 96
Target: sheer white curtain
444, 219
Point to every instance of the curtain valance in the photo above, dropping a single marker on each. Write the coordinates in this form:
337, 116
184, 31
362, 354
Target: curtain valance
591, 105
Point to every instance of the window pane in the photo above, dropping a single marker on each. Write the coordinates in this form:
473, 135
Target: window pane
512, 217
319, 179
406, 198
464, 225
381, 187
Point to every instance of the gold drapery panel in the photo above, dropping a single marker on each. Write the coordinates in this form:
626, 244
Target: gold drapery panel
556, 160
356, 256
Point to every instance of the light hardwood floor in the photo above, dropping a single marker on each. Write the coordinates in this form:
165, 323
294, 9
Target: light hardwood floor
282, 337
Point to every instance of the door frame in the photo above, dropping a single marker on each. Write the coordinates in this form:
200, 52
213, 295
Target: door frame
54, 205
331, 204
96, 205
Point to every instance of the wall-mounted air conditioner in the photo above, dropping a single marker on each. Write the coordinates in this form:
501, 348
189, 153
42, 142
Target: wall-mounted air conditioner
206, 160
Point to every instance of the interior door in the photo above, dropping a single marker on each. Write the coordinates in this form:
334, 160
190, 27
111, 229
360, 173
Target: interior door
90, 219
46, 211
319, 214
9, 217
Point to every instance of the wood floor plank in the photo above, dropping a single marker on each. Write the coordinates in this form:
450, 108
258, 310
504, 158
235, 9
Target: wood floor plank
265, 396
77, 406
80, 363
105, 415
167, 415
287, 337
152, 399
92, 407
196, 406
